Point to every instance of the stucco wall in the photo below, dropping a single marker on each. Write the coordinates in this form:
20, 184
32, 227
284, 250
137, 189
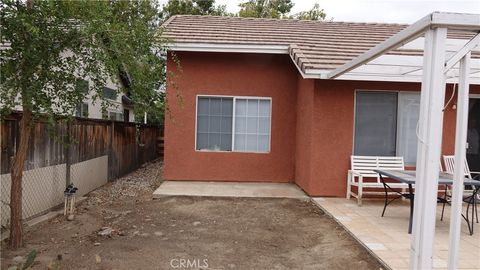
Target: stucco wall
312, 121
43, 187
333, 125
230, 74
304, 139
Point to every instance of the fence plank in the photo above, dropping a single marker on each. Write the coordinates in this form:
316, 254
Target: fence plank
128, 145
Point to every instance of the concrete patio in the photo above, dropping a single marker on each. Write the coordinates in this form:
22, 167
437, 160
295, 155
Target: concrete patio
229, 189
387, 237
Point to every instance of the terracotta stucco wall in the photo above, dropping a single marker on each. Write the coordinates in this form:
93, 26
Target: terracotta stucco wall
304, 128
312, 121
230, 74
333, 125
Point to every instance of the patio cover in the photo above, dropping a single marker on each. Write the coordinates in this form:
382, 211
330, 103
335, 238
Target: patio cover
444, 60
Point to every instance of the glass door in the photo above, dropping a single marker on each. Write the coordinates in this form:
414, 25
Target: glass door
473, 135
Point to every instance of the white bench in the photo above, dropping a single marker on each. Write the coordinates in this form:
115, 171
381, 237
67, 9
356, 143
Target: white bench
363, 166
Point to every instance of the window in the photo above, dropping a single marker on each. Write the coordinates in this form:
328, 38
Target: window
109, 93
385, 124
81, 86
116, 116
214, 123
233, 124
252, 125
82, 110
408, 114
375, 124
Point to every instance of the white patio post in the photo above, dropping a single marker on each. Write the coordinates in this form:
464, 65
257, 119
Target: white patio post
460, 153
429, 148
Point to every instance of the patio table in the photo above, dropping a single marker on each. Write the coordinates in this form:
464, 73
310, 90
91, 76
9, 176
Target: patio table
409, 178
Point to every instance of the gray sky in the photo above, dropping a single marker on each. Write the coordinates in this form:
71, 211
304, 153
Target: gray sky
392, 11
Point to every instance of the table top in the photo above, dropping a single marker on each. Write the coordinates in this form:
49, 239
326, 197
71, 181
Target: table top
409, 177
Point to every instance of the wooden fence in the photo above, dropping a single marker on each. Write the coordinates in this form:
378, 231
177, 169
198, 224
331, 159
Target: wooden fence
128, 145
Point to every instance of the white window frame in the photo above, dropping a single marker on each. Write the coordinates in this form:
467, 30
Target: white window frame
233, 123
398, 104
81, 104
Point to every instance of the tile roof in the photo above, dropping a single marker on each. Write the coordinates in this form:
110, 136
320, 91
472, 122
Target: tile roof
319, 45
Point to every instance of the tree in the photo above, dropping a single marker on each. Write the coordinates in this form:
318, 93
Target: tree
314, 14
192, 7
51, 44
279, 9
265, 8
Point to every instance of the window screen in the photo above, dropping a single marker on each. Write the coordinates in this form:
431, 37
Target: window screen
248, 119
214, 123
109, 93
82, 110
252, 125
375, 124
116, 116
408, 114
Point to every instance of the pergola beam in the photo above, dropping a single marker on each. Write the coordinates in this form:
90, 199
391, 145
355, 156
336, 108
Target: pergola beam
411, 32
460, 154
429, 148
460, 21
465, 22
474, 42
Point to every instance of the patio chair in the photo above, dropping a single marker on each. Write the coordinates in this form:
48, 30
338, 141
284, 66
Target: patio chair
363, 166
468, 196
450, 166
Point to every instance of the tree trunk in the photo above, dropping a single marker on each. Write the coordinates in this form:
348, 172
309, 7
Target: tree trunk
16, 227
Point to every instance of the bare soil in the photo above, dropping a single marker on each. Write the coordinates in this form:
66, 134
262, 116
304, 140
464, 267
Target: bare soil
189, 233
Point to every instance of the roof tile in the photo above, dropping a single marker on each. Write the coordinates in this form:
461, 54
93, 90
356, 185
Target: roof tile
314, 44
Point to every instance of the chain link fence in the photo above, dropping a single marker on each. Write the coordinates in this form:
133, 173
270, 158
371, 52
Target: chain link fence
102, 150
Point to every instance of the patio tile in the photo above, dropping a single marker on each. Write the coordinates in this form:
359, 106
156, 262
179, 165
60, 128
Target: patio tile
344, 218
375, 246
387, 236
398, 263
472, 263
439, 263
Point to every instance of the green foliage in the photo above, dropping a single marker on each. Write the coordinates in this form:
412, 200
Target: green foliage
156, 114
30, 259
28, 263
54, 43
278, 9
314, 14
192, 7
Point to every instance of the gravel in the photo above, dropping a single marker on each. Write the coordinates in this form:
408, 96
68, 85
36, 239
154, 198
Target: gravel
137, 186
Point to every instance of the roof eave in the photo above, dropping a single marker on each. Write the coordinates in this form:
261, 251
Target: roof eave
233, 48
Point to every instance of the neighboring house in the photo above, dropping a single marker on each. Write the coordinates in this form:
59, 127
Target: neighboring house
120, 109
250, 101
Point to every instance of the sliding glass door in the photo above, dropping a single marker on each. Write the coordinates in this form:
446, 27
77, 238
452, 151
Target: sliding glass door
473, 135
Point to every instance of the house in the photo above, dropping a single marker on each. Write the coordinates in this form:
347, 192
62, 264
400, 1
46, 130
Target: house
251, 100
120, 106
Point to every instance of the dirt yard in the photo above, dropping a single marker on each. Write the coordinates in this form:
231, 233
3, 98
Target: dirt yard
120, 227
